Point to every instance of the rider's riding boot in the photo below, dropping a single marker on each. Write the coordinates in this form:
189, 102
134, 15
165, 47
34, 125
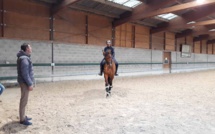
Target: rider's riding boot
116, 74
100, 73
101, 70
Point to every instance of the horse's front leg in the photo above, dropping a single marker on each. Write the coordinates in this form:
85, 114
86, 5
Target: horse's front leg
106, 83
110, 82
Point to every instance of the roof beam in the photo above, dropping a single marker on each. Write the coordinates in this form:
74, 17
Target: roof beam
183, 33
63, 4
142, 8
212, 36
211, 26
202, 23
211, 41
201, 37
145, 23
94, 11
196, 31
181, 21
200, 30
176, 8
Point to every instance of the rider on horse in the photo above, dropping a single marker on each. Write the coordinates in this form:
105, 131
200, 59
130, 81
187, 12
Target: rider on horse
106, 49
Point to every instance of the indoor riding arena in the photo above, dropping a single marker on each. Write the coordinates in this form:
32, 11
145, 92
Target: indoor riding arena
164, 82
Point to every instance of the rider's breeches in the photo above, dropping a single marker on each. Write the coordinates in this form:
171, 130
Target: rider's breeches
102, 63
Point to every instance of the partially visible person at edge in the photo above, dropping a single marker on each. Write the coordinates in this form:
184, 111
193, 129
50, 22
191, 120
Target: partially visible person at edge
25, 79
106, 49
2, 88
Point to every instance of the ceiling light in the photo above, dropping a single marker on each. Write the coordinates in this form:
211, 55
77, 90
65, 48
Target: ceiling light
191, 22
168, 16
212, 30
200, 1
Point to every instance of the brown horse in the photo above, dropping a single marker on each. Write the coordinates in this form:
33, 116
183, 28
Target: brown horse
109, 71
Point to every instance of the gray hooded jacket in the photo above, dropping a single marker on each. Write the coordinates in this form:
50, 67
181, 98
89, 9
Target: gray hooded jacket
24, 68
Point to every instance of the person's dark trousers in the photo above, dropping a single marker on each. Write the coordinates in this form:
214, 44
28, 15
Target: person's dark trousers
116, 63
102, 66
23, 101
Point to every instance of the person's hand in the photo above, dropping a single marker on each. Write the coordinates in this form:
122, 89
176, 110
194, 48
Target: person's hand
30, 88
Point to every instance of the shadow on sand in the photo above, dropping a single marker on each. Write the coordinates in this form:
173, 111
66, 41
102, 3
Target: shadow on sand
12, 127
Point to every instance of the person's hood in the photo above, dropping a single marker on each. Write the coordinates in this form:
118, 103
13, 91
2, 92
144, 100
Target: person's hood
22, 53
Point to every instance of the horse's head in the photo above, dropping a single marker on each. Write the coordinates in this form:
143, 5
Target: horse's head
108, 57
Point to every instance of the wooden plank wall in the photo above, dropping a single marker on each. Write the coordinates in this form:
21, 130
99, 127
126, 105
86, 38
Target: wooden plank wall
30, 20
197, 47
142, 36
26, 20
68, 29
170, 41
158, 41
204, 46
180, 41
84, 29
130, 35
100, 29
189, 41
210, 49
123, 35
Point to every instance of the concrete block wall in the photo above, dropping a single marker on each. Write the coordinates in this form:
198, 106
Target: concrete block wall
78, 59
179, 62
201, 60
193, 63
211, 61
157, 58
77, 53
144, 58
9, 48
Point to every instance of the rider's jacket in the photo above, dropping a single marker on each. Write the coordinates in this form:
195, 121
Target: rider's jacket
106, 49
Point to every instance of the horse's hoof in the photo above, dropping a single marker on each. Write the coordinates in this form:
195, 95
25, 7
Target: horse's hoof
108, 94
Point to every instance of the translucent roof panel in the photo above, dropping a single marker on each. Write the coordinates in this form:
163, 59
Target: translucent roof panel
168, 16
127, 3
212, 30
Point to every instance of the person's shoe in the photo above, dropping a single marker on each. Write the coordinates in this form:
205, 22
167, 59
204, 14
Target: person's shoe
26, 122
116, 74
28, 118
100, 74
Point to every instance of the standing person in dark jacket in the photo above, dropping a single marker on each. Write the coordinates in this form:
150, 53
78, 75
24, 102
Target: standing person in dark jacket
25, 79
106, 49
